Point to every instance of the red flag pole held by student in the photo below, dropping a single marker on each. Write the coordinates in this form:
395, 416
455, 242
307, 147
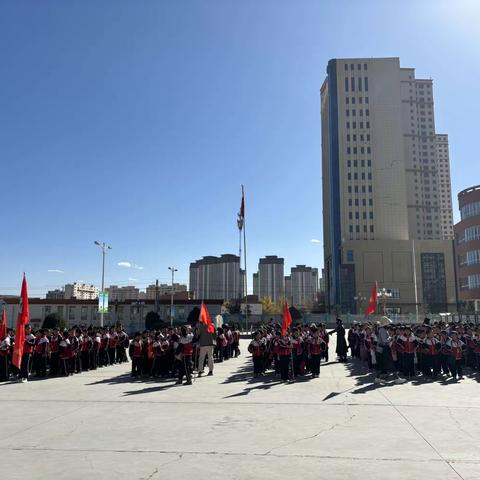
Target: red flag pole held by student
373, 302
287, 321
22, 321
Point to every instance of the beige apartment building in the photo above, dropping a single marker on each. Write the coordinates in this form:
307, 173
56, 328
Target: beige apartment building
381, 170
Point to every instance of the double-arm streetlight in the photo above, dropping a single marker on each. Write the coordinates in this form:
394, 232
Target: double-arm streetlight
104, 248
173, 270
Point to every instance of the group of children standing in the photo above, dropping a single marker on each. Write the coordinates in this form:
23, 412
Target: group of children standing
290, 354
52, 352
431, 351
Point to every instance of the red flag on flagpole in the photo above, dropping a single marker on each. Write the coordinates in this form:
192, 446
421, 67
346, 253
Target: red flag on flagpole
372, 303
205, 319
22, 320
287, 319
242, 206
3, 325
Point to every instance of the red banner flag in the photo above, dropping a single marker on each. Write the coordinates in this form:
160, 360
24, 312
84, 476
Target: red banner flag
242, 206
3, 325
287, 319
372, 303
205, 319
22, 320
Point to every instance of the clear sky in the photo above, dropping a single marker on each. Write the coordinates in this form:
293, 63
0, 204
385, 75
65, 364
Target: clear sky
136, 122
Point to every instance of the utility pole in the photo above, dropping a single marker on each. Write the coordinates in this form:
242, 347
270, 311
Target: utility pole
173, 270
104, 248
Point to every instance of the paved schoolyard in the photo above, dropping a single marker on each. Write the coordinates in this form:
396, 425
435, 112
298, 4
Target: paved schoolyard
340, 426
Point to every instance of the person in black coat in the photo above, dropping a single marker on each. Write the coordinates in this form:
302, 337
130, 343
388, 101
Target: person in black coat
342, 347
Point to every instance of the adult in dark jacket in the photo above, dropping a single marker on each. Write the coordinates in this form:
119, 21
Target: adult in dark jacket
342, 347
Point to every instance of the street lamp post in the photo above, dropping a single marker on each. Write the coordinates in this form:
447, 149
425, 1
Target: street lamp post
173, 270
104, 248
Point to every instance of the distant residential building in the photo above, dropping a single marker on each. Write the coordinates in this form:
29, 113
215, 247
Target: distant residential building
288, 289
467, 245
255, 284
304, 285
444, 186
55, 294
271, 278
120, 294
80, 291
217, 277
164, 289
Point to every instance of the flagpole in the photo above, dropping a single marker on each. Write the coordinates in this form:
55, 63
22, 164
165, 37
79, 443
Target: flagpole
245, 264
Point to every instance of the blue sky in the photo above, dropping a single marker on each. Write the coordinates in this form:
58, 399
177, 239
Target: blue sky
136, 122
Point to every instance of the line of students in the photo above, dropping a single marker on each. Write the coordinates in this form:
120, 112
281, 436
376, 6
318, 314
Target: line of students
440, 349
178, 352
297, 353
53, 352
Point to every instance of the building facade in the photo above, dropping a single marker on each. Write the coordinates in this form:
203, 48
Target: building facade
121, 294
55, 294
131, 314
270, 278
444, 186
467, 244
217, 278
303, 286
380, 167
164, 289
80, 291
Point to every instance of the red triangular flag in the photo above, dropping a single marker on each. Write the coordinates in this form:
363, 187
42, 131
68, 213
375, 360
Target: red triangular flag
287, 319
242, 207
372, 303
22, 320
205, 319
3, 325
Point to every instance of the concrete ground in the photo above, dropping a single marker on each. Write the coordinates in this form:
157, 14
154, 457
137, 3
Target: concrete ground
103, 425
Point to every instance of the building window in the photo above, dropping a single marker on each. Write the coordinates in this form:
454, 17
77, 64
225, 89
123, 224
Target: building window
434, 281
352, 84
470, 210
346, 84
349, 255
470, 233
366, 83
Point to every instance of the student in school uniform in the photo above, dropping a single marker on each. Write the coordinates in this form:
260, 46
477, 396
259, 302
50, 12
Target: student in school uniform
457, 351
257, 349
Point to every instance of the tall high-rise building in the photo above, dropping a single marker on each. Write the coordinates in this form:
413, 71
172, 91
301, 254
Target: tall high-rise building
256, 287
270, 278
444, 186
217, 278
304, 286
381, 183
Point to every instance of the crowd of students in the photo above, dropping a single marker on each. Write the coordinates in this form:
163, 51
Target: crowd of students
296, 352
168, 352
405, 351
55, 352
432, 351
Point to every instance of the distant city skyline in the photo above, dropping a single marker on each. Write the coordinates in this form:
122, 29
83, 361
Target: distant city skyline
137, 125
